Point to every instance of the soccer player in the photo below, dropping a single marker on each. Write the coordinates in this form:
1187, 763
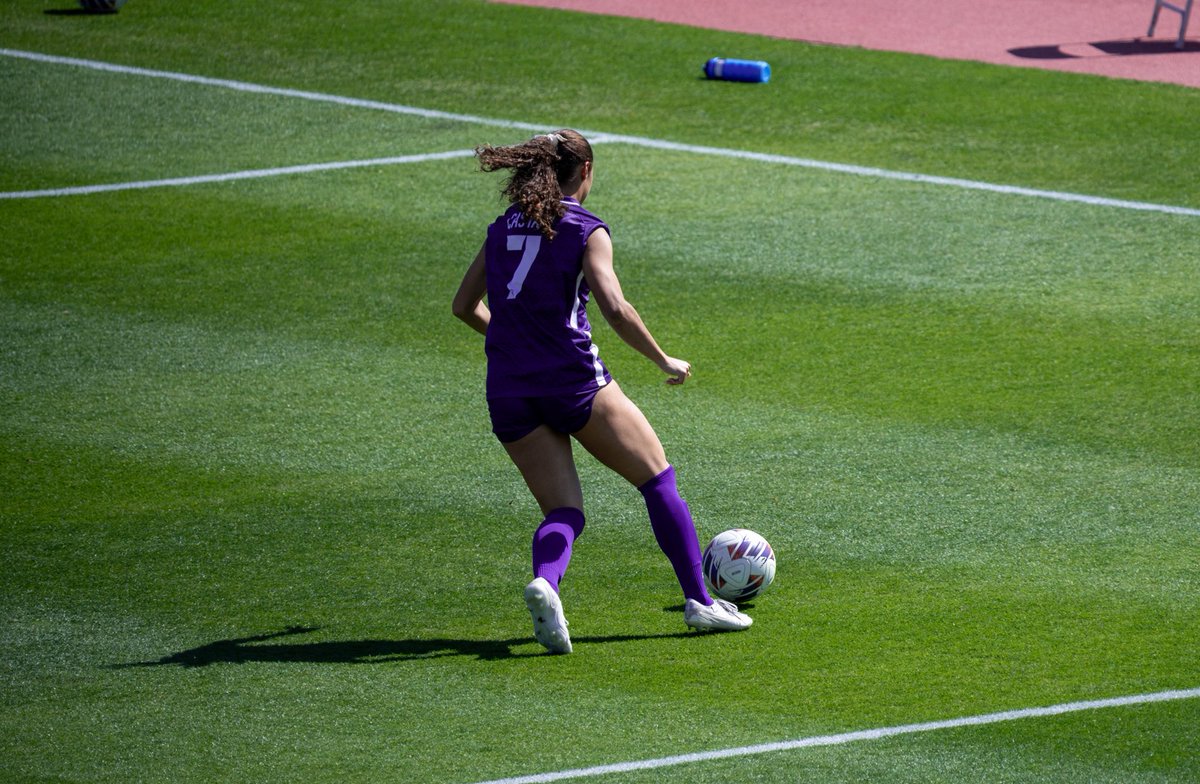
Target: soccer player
541, 262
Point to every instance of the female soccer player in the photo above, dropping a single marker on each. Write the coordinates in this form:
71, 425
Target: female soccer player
546, 384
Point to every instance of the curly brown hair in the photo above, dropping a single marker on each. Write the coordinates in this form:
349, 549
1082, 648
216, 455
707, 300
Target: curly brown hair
540, 167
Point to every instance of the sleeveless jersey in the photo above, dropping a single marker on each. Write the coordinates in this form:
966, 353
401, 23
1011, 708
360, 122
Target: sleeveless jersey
539, 341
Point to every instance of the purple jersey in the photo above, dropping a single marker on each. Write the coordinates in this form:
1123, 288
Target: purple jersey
539, 341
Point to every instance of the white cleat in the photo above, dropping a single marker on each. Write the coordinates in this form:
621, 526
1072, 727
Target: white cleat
721, 615
549, 623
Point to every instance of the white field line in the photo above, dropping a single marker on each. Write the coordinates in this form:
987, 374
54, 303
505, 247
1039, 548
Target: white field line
248, 87
597, 136
887, 174
238, 175
848, 737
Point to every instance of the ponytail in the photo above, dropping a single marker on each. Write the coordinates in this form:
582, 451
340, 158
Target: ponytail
540, 167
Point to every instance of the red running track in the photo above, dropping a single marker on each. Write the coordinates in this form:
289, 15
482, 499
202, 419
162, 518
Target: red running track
1105, 37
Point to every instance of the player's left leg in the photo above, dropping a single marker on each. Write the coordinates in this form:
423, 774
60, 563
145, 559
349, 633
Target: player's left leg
545, 460
546, 463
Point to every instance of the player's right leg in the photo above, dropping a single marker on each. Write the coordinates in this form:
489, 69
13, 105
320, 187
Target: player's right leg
619, 435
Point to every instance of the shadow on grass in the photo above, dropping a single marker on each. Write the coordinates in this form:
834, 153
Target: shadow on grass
250, 649
79, 12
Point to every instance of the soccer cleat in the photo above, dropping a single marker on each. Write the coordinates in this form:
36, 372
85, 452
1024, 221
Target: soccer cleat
720, 615
549, 623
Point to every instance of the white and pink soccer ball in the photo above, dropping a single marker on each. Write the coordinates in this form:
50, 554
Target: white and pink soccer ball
738, 565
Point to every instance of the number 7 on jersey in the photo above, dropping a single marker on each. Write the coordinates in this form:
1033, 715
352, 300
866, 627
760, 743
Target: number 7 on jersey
530, 244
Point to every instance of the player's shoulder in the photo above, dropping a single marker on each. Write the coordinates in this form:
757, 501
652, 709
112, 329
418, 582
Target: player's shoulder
582, 217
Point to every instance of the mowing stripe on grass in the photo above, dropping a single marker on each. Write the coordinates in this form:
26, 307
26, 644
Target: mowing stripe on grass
661, 144
249, 174
850, 737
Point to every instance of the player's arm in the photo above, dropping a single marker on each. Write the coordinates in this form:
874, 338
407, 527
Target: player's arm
468, 300
619, 313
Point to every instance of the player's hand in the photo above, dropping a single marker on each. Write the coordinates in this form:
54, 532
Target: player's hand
677, 370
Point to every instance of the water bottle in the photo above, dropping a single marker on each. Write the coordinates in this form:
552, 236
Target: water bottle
737, 70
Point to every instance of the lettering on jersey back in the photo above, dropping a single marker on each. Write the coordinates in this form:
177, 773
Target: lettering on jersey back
518, 221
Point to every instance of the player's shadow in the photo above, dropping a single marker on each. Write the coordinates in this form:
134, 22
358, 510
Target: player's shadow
259, 648
79, 12
1127, 47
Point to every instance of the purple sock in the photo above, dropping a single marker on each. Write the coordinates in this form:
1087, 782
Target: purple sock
552, 543
676, 533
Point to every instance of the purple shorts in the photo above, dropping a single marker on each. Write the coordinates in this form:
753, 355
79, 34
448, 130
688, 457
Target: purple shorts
513, 418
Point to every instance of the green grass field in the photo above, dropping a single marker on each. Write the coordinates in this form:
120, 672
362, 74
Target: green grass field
254, 524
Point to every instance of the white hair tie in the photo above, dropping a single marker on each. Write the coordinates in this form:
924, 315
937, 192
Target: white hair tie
557, 138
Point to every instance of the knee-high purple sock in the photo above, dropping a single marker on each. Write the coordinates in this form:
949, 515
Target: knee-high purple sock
676, 533
552, 543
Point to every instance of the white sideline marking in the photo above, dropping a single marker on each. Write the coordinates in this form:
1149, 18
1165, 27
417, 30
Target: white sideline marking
849, 737
239, 175
888, 174
249, 87
596, 136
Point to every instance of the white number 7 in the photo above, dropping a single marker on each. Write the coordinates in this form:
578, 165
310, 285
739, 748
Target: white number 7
531, 243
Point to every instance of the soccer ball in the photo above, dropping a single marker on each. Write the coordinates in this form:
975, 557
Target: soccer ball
738, 565
102, 6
